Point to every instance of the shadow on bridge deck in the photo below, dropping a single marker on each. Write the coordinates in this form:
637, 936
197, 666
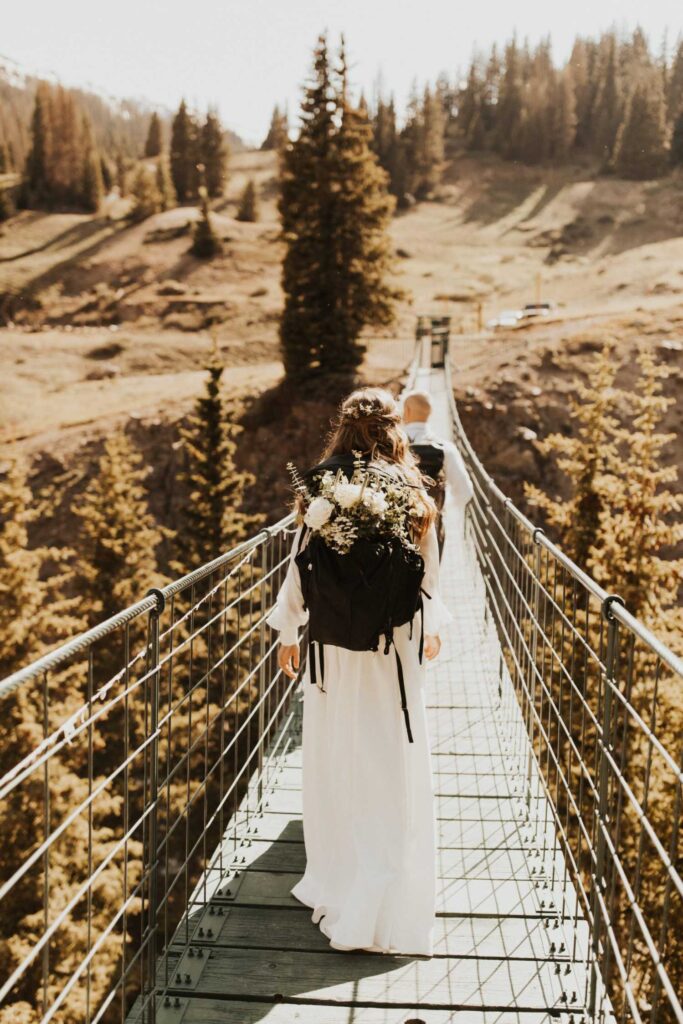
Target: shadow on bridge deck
510, 945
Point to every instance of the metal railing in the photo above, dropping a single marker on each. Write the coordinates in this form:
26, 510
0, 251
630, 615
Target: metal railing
133, 787
132, 791
591, 716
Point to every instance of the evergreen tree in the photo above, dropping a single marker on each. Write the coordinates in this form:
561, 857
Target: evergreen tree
164, 185
118, 536
584, 458
335, 213
641, 518
471, 120
147, 199
93, 188
674, 87
121, 176
278, 131
6, 205
107, 174
564, 116
609, 107
431, 155
36, 171
154, 142
184, 154
205, 243
213, 155
640, 146
211, 519
510, 110
677, 141
248, 207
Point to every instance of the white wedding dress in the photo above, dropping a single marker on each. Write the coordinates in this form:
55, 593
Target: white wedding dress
368, 804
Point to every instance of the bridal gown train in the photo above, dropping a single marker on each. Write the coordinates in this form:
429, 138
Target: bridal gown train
368, 804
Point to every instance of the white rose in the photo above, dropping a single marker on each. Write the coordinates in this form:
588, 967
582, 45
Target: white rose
347, 494
376, 502
318, 513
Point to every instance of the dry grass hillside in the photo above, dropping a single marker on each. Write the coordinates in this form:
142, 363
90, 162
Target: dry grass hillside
108, 323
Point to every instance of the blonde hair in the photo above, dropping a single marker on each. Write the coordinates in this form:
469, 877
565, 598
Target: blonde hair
369, 422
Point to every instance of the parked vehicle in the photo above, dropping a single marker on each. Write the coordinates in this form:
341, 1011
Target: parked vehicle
509, 318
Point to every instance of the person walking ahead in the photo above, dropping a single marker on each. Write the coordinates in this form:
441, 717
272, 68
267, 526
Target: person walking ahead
364, 575
440, 461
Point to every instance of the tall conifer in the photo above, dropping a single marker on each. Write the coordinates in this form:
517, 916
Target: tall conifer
335, 213
640, 146
213, 155
153, 143
585, 457
211, 519
118, 536
184, 154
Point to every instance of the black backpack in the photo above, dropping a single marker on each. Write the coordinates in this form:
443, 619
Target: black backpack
430, 455
355, 599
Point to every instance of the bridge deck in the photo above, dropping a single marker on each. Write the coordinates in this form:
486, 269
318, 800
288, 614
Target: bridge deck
504, 921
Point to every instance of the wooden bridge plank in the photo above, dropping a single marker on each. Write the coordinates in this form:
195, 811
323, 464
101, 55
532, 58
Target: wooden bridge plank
207, 1011
438, 982
455, 935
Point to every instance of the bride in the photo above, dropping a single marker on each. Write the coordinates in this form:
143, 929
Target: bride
368, 808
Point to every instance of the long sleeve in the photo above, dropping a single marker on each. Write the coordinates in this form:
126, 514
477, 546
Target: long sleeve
289, 612
436, 614
457, 478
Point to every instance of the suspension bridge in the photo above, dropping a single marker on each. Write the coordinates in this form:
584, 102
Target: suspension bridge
557, 784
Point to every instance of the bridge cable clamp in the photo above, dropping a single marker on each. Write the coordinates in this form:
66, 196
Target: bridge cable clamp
160, 600
536, 533
607, 605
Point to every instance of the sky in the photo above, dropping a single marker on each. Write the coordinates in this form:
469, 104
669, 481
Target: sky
243, 57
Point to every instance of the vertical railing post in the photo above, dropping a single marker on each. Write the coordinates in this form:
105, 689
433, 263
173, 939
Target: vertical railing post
153, 855
262, 682
603, 815
534, 665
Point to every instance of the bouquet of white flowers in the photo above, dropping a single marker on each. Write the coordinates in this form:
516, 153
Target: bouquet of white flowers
370, 504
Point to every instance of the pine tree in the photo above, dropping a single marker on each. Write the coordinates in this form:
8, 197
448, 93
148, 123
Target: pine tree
154, 142
184, 154
36, 171
564, 116
164, 185
34, 616
248, 207
510, 110
641, 518
93, 188
147, 199
205, 243
213, 155
609, 107
211, 519
640, 145
278, 131
335, 213
677, 141
107, 174
584, 458
431, 156
6, 205
121, 176
674, 88
118, 536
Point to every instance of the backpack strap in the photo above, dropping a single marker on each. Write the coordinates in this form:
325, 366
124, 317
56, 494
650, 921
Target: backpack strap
402, 688
312, 644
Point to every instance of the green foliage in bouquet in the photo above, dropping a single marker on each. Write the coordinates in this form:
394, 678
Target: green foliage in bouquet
371, 504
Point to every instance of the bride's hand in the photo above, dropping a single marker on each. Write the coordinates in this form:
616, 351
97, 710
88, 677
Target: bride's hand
288, 659
432, 647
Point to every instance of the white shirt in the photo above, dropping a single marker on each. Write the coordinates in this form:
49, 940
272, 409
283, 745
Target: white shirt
458, 483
